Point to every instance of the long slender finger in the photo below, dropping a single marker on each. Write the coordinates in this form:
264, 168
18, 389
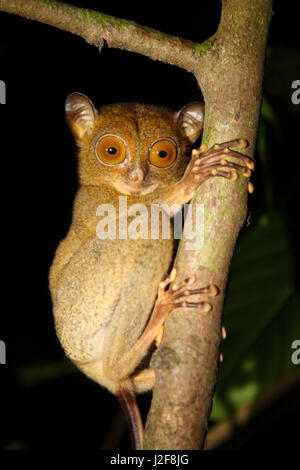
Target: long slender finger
183, 284
202, 306
169, 279
211, 291
236, 143
245, 171
221, 155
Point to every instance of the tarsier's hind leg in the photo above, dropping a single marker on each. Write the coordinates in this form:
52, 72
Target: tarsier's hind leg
167, 300
170, 299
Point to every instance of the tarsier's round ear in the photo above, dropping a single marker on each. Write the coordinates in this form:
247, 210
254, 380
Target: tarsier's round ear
80, 115
191, 118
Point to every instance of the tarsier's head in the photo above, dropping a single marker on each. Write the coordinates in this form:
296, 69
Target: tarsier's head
131, 147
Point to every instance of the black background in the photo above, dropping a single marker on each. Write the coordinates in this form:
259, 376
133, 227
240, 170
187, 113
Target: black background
41, 66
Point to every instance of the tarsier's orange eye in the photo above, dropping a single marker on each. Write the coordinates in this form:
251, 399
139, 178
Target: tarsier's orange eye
162, 153
111, 150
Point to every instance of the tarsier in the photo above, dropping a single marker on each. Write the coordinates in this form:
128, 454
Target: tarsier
112, 296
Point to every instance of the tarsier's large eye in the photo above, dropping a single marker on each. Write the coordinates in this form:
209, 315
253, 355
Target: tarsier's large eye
162, 153
111, 150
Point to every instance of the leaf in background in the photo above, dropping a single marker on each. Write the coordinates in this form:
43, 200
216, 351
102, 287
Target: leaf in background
268, 112
282, 68
33, 374
261, 316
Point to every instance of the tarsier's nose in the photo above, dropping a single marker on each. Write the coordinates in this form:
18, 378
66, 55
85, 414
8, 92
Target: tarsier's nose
136, 176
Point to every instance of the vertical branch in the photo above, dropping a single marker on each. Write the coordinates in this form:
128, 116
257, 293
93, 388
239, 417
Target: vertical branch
186, 363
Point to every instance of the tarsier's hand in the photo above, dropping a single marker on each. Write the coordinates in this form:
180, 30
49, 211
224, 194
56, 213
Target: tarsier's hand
213, 162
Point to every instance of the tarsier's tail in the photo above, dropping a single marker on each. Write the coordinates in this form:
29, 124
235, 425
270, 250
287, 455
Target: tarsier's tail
133, 417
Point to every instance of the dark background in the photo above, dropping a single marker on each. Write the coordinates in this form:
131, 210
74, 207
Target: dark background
45, 402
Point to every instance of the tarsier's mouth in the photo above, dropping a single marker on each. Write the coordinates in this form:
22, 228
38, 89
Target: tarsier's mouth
134, 190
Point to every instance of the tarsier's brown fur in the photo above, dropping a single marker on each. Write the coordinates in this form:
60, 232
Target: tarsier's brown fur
104, 290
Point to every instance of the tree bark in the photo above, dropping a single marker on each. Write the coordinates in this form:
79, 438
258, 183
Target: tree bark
229, 70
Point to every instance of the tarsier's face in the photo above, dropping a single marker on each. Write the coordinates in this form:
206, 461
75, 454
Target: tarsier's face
132, 147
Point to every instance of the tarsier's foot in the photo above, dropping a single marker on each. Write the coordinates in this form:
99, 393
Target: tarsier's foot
213, 162
181, 289
172, 298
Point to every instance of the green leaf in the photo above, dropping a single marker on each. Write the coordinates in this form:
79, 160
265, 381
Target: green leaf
261, 316
33, 374
268, 112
